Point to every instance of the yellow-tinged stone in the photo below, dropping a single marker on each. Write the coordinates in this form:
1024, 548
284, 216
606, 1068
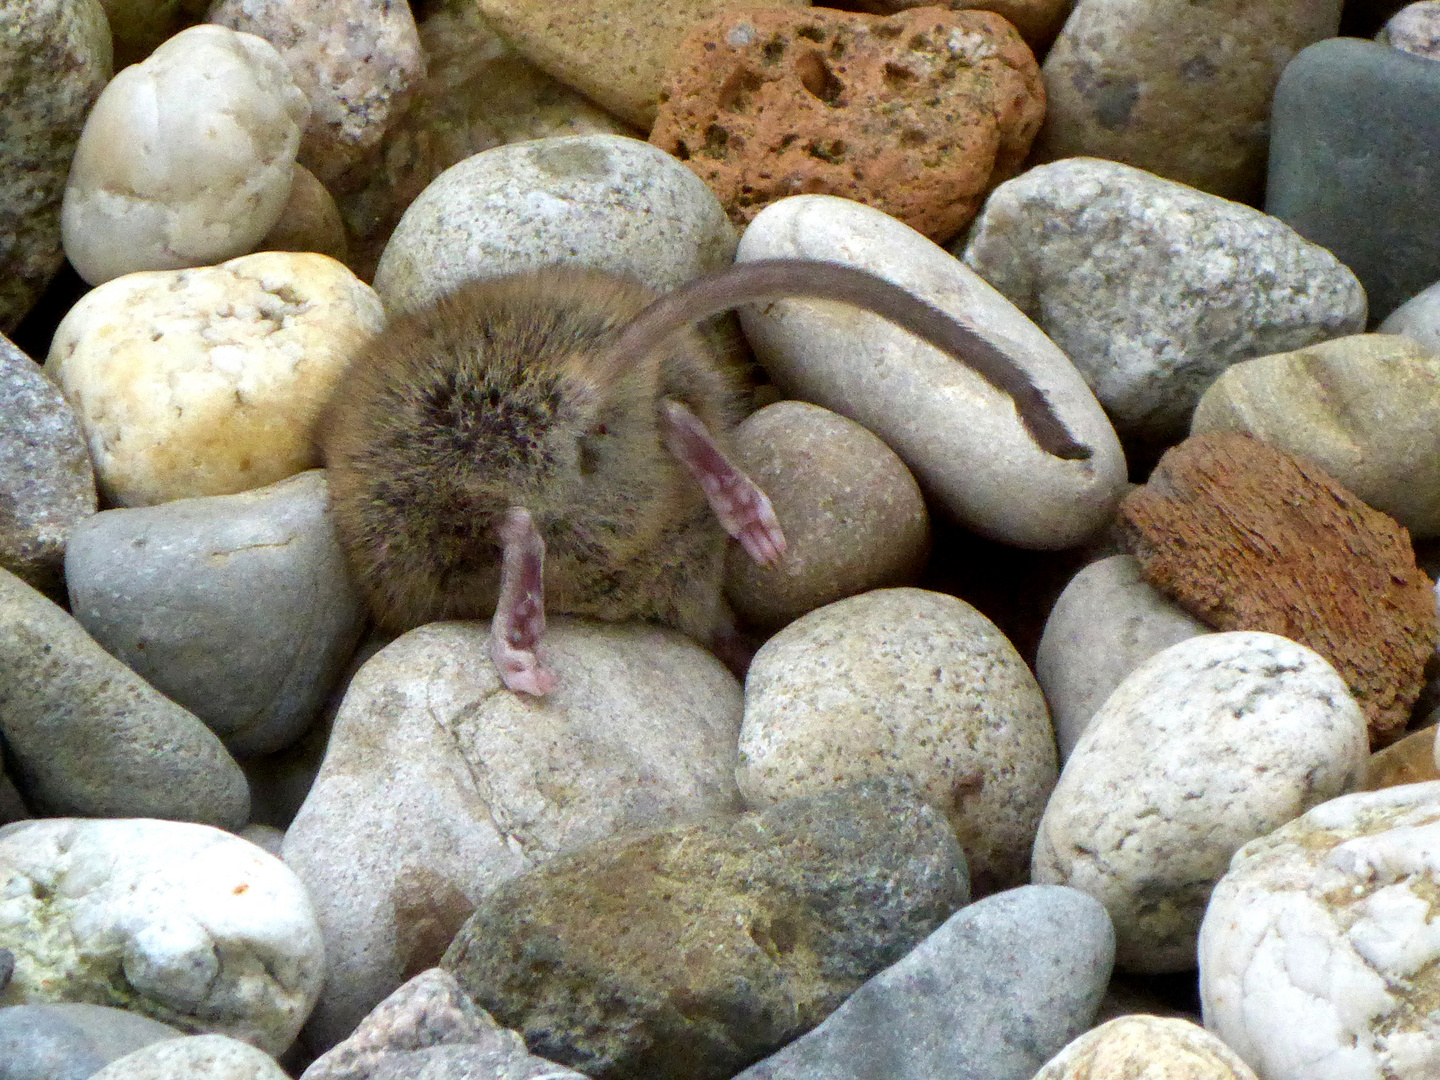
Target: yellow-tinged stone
207, 381
1142, 1047
1409, 761
613, 51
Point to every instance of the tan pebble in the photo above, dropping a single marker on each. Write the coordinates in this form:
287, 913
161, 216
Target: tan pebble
309, 221
1409, 761
1142, 1047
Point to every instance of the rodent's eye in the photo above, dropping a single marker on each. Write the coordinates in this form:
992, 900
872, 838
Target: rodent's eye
590, 450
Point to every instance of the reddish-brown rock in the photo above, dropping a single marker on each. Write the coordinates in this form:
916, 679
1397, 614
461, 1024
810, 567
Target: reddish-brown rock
918, 114
1246, 537
1037, 20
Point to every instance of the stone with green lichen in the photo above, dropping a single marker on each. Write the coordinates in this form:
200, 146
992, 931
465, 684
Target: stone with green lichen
693, 951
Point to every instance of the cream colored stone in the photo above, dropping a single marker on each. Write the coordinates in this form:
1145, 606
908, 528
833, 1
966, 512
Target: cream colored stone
1146, 1048
185, 159
208, 381
199, 1057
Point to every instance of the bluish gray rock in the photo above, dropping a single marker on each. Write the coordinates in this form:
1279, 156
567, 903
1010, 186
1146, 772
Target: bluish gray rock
990, 995
238, 607
1355, 162
71, 1040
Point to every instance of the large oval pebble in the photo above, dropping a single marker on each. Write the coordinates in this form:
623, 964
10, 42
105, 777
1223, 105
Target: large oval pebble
960, 436
1207, 745
1146, 1048
199, 1057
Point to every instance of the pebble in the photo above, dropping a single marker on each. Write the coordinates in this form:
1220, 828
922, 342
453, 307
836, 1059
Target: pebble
198, 1057
1415, 28
309, 221
918, 114
71, 1040
354, 60
603, 201
853, 516
208, 381
184, 923
1105, 624
960, 436
1355, 162
1409, 761
429, 1030
1365, 408
56, 57
1002, 985
85, 735
238, 607
45, 471
1154, 288
1246, 537
1121, 81
1134, 1047
1205, 746
615, 52
1318, 952
1418, 318
191, 184
905, 682
703, 947
438, 784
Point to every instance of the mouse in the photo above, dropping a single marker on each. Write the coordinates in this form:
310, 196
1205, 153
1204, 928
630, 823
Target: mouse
558, 440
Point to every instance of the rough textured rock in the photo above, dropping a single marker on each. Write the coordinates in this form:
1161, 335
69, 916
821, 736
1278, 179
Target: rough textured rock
54, 60
905, 682
1037, 20
438, 783
603, 201
1148, 1047
613, 51
1124, 77
46, 483
429, 1030
1409, 761
1002, 985
85, 735
959, 435
1154, 288
691, 952
918, 114
184, 923
1415, 28
309, 221
1355, 162
354, 60
1319, 955
853, 516
238, 607
71, 1040
200, 1057
1365, 408
1246, 537
208, 381
1205, 746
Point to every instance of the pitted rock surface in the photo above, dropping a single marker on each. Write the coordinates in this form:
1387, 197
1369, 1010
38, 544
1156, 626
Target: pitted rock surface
1246, 537
918, 114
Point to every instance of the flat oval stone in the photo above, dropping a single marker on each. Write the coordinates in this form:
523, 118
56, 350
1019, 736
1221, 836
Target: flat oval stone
602, 201
199, 1057
703, 947
905, 682
184, 923
959, 435
70, 1040
1001, 985
1205, 746
1154, 288
1319, 952
238, 607
1129, 1047
87, 736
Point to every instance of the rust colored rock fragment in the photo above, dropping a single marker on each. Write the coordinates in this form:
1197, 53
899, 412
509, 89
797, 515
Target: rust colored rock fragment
918, 114
1247, 537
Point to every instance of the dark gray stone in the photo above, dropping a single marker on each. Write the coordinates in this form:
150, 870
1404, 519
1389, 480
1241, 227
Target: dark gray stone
238, 607
991, 995
690, 952
1355, 162
46, 482
71, 1041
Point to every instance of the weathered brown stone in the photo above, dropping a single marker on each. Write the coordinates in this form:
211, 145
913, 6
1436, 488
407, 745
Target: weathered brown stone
1037, 20
1246, 537
1409, 761
918, 114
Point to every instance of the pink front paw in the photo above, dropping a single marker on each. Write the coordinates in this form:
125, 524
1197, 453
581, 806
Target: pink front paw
521, 671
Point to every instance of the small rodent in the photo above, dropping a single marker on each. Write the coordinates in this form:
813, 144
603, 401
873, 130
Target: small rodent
557, 440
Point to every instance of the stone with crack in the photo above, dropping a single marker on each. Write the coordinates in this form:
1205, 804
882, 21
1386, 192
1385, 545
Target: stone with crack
1320, 953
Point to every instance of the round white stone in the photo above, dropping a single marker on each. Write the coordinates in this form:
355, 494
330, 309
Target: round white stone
1205, 746
186, 158
199, 1057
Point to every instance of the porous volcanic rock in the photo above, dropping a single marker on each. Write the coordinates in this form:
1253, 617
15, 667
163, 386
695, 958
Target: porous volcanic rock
1246, 537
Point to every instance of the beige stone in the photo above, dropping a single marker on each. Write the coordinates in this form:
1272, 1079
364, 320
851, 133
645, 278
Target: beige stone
208, 381
309, 221
1409, 761
1146, 1048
